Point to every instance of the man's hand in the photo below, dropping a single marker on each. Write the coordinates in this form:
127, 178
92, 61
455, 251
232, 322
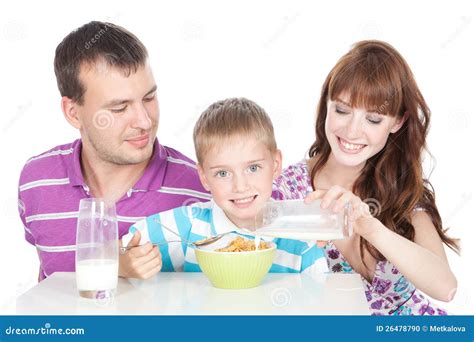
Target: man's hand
141, 262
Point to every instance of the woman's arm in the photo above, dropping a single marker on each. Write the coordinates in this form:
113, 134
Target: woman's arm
423, 262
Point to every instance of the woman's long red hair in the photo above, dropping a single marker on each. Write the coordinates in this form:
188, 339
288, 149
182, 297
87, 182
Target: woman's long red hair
376, 76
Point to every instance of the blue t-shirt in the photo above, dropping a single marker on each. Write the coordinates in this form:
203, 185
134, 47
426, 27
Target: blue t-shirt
202, 220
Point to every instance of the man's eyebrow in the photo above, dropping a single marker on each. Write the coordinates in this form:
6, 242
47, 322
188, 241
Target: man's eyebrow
117, 102
151, 91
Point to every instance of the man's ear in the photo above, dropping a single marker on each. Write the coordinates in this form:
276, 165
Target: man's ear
277, 164
202, 177
69, 108
399, 123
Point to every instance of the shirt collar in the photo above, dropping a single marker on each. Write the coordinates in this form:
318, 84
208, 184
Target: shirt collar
74, 166
154, 175
221, 222
152, 178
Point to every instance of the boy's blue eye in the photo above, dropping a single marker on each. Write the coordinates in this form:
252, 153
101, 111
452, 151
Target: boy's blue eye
222, 173
254, 168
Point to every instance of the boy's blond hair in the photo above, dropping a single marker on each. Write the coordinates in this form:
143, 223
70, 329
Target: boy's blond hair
231, 117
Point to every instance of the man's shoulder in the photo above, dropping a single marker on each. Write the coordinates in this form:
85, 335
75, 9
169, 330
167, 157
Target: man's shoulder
177, 158
181, 170
51, 164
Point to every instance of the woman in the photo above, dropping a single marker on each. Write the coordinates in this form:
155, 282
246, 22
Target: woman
371, 129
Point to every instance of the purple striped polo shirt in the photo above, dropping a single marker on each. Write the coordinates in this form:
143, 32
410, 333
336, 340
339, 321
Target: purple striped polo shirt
52, 184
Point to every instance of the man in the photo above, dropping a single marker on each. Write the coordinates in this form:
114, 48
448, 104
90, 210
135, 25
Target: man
109, 94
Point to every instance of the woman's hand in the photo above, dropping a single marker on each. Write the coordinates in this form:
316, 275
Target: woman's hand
335, 200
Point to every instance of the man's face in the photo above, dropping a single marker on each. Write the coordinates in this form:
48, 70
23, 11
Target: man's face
119, 116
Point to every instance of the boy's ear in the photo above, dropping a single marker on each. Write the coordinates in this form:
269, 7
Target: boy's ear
69, 108
399, 123
277, 164
202, 177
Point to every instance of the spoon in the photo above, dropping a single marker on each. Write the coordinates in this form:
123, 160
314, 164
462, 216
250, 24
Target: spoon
199, 243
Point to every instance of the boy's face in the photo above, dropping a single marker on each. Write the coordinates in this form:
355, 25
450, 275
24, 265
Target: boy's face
239, 172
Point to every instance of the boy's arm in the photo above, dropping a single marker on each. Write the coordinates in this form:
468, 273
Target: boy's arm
141, 262
138, 257
143, 234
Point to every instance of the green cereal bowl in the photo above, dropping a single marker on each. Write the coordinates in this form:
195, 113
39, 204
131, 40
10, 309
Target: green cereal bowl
235, 270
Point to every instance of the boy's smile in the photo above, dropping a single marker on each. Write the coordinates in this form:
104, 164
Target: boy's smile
239, 172
244, 202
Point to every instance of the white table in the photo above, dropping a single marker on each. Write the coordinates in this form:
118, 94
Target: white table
192, 294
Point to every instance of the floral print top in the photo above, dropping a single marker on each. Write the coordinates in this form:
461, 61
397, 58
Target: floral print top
389, 293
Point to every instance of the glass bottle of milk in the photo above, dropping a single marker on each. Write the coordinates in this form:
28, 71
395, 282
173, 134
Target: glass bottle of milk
294, 219
96, 249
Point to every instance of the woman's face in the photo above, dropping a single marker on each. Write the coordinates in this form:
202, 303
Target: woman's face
356, 134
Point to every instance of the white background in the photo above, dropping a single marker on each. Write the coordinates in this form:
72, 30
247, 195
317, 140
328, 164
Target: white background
275, 53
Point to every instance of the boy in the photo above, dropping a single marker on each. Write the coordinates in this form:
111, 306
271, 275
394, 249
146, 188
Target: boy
237, 161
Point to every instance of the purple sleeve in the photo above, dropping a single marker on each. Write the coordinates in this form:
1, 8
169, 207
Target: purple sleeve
293, 183
22, 211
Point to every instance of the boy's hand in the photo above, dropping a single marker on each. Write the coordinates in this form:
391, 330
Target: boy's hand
141, 262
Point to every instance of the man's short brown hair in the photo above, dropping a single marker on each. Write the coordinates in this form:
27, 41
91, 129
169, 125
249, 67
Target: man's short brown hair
91, 43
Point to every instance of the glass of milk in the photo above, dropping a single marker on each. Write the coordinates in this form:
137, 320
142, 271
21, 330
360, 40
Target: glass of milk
294, 219
96, 249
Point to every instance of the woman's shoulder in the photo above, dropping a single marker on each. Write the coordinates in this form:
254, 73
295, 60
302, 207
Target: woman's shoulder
294, 182
299, 168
